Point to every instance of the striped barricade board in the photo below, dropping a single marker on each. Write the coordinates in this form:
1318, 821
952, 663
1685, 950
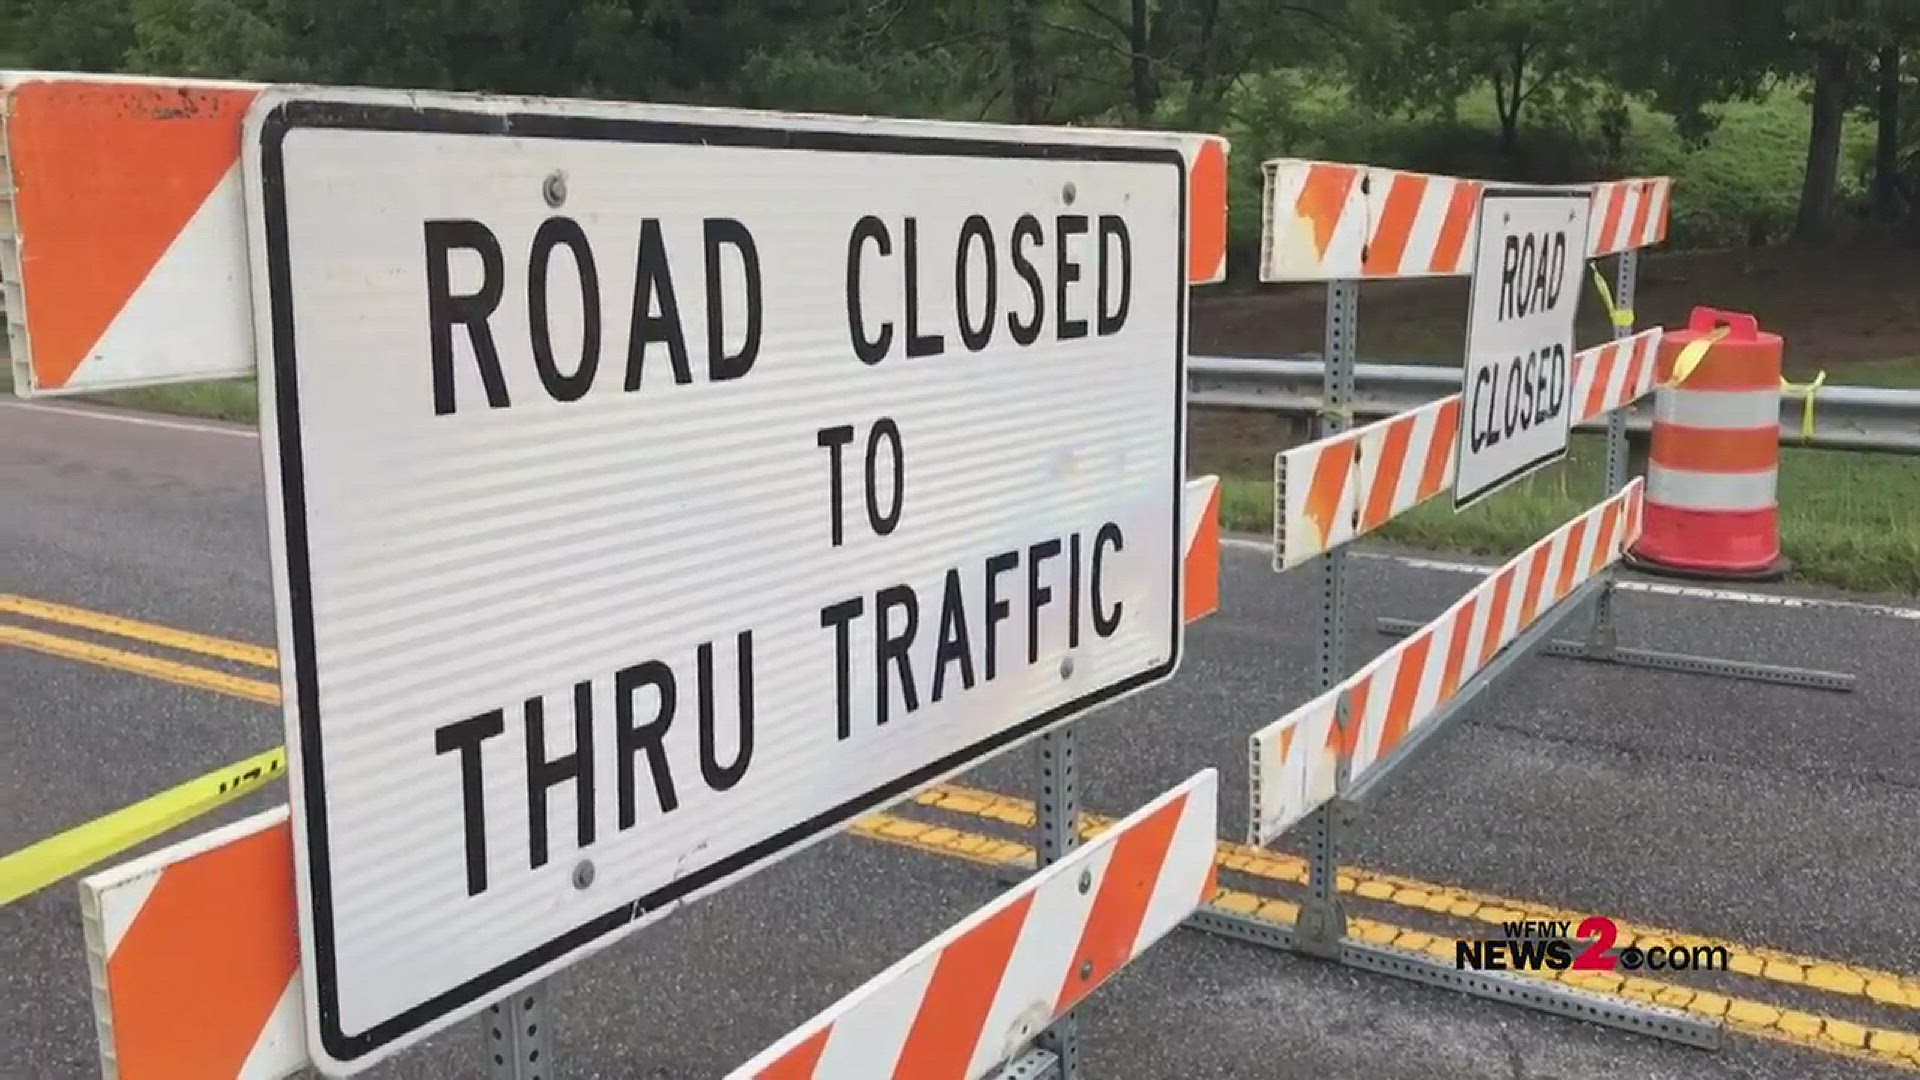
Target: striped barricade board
194, 957
1329, 492
973, 998
123, 248
1295, 759
1326, 221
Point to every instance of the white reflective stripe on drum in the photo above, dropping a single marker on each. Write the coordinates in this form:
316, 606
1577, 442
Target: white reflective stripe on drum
1720, 409
1710, 491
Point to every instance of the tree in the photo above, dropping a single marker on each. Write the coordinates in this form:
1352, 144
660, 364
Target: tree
1532, 53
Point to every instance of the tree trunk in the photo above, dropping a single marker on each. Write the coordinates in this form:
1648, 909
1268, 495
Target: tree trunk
1815, 219
1203, 95
1886, 150
1145, 94
1506, 101
1026, 63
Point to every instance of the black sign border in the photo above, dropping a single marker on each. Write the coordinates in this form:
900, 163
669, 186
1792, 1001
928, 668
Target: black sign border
288, 115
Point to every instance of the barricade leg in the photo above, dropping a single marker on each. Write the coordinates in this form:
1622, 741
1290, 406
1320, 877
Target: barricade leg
1059, 826
516, 1036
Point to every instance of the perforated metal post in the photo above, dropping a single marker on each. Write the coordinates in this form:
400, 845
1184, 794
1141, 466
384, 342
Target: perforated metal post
516, 1037
1059, 820
1602, 639
1323, 920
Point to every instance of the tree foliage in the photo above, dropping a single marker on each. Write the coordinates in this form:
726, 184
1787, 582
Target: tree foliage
1240, 65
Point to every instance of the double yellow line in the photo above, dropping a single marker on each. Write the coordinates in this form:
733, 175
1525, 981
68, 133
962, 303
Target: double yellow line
70, 852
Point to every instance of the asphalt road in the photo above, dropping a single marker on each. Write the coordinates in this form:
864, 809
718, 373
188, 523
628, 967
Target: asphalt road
1766, 815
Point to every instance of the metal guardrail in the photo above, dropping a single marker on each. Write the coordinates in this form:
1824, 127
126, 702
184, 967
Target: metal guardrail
1844, 417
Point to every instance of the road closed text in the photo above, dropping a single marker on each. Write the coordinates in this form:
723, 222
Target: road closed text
1515, 383
1024, 281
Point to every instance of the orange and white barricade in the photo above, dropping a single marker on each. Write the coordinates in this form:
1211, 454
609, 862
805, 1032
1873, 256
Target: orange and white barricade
1326, 221
1713, 470
194, 955
1368, 716
974, 998
134, 270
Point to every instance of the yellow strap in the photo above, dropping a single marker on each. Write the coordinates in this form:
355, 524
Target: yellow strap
1693, 352
36, 866
1621, 318
1806, 391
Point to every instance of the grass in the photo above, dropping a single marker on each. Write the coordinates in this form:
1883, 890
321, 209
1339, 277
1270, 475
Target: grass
222, 399
1849, 520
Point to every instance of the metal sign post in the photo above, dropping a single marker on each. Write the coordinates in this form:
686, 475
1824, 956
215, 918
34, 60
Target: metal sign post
1602, 638
1323, 920
1059, 827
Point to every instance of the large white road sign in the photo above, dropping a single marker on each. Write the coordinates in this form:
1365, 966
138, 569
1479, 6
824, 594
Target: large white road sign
655, 490
1527, 270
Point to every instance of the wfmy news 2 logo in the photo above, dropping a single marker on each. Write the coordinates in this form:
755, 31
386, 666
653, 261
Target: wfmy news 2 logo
1545, 945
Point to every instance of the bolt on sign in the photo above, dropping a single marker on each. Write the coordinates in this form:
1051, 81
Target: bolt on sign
655, 490
1514, 387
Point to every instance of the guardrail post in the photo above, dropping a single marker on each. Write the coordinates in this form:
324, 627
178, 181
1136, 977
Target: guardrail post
1323, 920
516, 1033
1059, 826
1602, 638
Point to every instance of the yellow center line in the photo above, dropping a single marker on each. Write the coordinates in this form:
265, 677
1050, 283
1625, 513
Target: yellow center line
1814, 1031
152, 633
152, 667
1853, 980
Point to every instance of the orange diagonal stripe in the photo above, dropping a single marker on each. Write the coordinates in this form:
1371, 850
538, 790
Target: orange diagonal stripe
800, 1062
1113, 925
228, 914
1329, 483
1457, 649
965, 981
1406, 687
1497, 614
1455, 226
106, 176
1616, 196
1446, 431
1207, 211
1536, 576
1389, 241
1602, 548
1639, 227
1602, 360
1570, 558
1357, 696
1386, 476
1323, 198
1201, 584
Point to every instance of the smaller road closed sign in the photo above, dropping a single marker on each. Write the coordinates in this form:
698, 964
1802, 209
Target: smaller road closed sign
1526, 291
654, 492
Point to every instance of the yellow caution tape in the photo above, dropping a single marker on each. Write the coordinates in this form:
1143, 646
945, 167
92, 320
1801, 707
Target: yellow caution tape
1621, 318
36, 866
1692, 353
1807, 392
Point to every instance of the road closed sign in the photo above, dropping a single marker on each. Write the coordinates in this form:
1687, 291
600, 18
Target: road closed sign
654, 491
1515, 383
